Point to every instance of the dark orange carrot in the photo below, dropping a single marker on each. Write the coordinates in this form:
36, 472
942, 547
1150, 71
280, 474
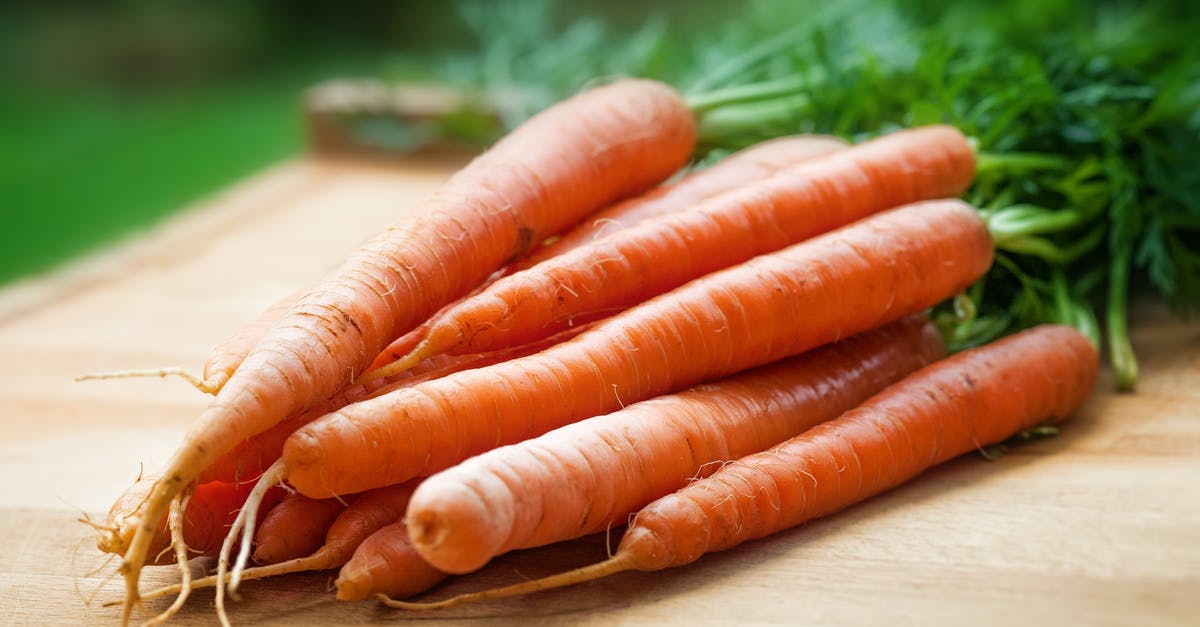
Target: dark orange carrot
369, 512
213, 507
973, 399
655, 256
294, 528
582, 154
857, 278
747, 166
386, 563
589, 476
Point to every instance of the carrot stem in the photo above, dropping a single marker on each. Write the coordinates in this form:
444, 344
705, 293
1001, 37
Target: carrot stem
742, 94
988, 163
1124, 362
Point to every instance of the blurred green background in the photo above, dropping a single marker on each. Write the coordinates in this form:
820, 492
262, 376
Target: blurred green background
113, 114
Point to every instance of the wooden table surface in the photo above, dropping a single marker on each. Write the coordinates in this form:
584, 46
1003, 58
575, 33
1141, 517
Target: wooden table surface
1100, 525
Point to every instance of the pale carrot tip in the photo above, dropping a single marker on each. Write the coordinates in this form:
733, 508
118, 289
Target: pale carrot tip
406, 362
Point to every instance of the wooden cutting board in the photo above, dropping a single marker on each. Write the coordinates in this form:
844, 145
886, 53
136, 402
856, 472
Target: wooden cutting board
1100, 525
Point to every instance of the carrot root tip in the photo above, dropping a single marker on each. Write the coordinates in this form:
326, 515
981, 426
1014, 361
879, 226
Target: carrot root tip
208, 386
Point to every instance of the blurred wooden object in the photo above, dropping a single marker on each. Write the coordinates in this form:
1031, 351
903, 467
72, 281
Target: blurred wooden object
371, 118
1099, 526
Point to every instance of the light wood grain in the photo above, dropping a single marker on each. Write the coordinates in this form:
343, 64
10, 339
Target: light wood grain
1099, 526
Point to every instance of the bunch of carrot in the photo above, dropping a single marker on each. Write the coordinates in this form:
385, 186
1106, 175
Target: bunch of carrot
503, 371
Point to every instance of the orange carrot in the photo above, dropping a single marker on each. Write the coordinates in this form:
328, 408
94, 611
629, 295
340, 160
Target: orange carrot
739, 169
213, 503
228, 355
213, 508
252, 456
589, 476
960, 404
386, 563
370, 512
746, 166
295, 528
247, 461
655, 256
857, 278
582, 154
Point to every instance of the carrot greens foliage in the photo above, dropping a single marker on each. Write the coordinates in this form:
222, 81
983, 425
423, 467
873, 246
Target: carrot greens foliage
1086, 118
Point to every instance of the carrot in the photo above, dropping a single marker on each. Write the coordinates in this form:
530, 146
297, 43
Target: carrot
741, 168
294, 528
213, 507
248, 460
655, 256
386, 563
860, 277
746, 166
582, 154
252, 456
223, 359
588, 476
440, 366
370, 512
975, 398
228, 355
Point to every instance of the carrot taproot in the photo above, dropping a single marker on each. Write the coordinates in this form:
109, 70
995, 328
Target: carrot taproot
368, 513
655, 256
294, 528
586, 477
745, 166
975, 398
868, 274
577, 156
386, 563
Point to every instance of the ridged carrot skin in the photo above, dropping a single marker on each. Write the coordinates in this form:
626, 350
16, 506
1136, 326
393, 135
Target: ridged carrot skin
653, 257
592, 475
564, 163
975, 398
857, 278
296, 527
741, 168
386, 563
